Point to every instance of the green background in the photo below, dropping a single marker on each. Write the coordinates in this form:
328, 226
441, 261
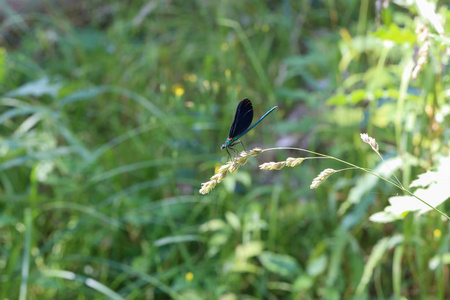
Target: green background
112, 114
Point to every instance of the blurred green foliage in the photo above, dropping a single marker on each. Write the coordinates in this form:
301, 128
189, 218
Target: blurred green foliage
112, 114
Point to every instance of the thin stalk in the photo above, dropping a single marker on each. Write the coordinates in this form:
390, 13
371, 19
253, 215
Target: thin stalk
25, 272
337, 159
365, 170
381, 157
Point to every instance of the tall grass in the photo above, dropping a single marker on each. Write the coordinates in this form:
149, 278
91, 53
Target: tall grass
112, 114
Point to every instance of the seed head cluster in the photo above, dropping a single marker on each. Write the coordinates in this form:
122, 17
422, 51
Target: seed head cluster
423, 34
242, 158
289, 162
371, 141
227, 168
321, 178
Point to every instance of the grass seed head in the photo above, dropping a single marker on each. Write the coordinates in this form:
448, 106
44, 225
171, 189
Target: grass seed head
229, 167
292, 161
370, 140
321, 178
273, 165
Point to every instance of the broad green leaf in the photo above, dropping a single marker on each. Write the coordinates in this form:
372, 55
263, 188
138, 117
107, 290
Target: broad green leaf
250, 249
339, 99
383, 217
357, 96
233, 220
218, 239
317, 266
436, 192
7, 220
213, 225
384, 115
440, 259
280, 264
346, 116
303, 283
395, 34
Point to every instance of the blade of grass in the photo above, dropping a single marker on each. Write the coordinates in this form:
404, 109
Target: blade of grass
376, 255
397, 271
149, 163
257, 66
92, 283
26, 255
84, 209
154, 280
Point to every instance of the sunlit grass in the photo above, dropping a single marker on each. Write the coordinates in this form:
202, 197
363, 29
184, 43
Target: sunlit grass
112, 115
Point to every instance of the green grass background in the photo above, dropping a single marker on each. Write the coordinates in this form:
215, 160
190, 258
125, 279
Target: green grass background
112, 114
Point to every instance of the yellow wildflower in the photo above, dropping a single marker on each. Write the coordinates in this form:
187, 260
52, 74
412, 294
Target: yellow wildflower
189, 276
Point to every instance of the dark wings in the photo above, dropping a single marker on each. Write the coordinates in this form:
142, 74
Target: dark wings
242, 119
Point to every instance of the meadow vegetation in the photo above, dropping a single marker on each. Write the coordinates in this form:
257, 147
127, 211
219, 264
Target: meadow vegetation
112, 114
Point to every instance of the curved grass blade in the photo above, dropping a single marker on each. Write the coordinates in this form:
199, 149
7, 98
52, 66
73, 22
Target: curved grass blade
155, 280
89, 282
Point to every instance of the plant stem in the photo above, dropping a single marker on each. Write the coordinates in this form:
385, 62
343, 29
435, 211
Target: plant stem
400, 186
